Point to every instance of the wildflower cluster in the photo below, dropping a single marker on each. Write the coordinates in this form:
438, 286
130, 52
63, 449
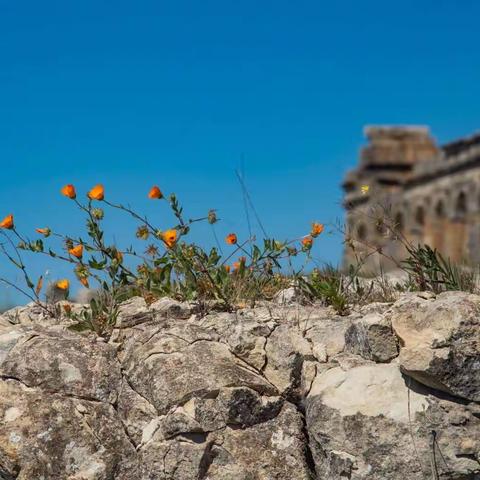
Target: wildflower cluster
169, 264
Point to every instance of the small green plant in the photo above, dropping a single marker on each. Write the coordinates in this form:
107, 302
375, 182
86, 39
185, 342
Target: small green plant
170, 265
327, 285
429, 270
102, 314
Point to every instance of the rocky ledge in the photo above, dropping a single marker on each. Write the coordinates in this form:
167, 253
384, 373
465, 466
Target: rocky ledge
276, 392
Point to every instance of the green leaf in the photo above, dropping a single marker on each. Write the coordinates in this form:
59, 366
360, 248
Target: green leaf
81, 327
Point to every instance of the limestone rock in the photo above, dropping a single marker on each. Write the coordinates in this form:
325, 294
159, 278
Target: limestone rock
287, 296
327, 335
170, 308
372, 337
132, 312
57, 436
440, 341
165, 370
286, 350
366, 423
270, 450
63, 362
276, 392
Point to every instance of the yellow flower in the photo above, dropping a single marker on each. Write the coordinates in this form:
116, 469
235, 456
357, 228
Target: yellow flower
317, 229
365, 189
69, 191
63, 284
44, 231
155, 193
231, 239
96, 193
170, 237
76, 251
7, 222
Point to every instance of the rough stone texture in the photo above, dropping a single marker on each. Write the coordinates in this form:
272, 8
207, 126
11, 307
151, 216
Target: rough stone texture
60, 361
372, 337
364, 422
440, 341
288, 296
279, 392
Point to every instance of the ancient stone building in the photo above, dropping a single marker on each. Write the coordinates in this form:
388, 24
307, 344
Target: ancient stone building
418, 191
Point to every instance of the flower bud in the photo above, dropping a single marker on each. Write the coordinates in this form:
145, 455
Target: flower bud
212, 217
97, 213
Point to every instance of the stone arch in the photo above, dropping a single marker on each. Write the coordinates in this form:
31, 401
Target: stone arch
420, 216
461, 206
456, 243
438, 226
440, 209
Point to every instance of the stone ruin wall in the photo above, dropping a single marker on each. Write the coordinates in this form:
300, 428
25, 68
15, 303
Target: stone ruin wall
429, 195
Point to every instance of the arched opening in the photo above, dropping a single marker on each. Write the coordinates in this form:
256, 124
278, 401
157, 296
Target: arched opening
438, 227
420, 216
461, 205
457, 242
440, 209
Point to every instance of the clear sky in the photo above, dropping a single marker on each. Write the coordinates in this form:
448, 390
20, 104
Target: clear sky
176, 93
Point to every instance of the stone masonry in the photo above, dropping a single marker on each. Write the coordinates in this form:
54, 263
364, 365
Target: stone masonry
418, 191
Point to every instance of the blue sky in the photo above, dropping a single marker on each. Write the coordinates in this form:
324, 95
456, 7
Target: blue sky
176, 93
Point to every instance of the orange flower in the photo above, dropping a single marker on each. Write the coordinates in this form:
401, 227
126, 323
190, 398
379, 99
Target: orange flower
96, 193
231, 239
317, 229
170, 237
227, 268
241, 261
76, 251
307, 242
69, 191
67, 308
7, 222
84, 282
44, 231
155, 193
63, 284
